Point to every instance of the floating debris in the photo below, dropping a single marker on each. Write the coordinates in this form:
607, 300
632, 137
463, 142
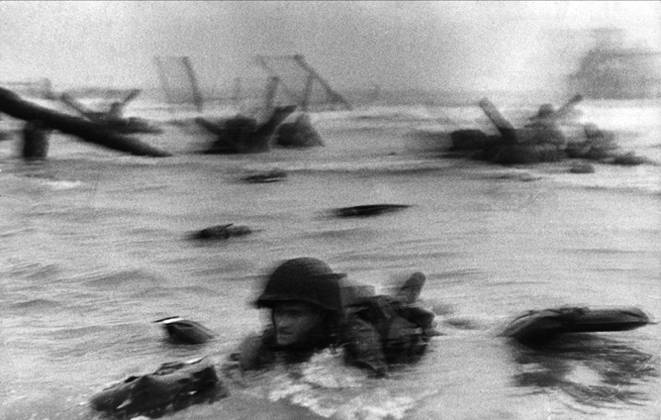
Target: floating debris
539, 327
182, 331
582, 168
368, 210
275, 175
172, 387
222, 232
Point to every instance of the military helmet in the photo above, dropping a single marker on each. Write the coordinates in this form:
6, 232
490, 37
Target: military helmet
303, 279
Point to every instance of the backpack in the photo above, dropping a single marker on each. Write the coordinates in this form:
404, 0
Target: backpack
382, 330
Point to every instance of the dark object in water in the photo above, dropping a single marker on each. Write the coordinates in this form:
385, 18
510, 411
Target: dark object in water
133, 125
582, 168
409, 292
539, 327
182, 331
12, 104
172, 387
510, 154
270, 176
597, 144
539, 141
35, 140
629, 159
242, 134
298, 133
222, 232
112, 119
468, 139
368, 210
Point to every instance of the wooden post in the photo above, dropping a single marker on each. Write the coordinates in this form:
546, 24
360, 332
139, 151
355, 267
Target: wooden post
35, 140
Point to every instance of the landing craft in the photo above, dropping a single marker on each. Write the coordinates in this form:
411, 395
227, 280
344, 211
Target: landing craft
611, 70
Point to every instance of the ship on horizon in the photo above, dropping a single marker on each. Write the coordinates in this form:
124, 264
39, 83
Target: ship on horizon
611, 70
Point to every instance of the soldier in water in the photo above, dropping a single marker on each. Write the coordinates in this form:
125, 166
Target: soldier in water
309, 313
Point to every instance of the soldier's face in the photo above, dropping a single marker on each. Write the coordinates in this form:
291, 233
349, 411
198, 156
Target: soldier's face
293, 322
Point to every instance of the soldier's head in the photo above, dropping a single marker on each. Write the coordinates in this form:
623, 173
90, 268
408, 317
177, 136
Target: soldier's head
304, 297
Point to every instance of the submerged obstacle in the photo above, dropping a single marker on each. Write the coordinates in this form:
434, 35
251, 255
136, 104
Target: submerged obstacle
298, 134
242, 134
11, 104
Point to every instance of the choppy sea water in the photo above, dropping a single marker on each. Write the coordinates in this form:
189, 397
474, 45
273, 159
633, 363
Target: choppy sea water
94, 248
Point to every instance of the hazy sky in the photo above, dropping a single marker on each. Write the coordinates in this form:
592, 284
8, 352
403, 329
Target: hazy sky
441, 45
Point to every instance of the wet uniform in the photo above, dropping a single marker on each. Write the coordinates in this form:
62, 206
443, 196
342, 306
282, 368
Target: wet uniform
379, 331
373, 331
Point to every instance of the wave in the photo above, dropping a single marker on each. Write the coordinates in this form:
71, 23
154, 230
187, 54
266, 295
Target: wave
371, 166
163, 291
34, 271
63, 184
121, 278
330, 389
643, 178
36, 304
